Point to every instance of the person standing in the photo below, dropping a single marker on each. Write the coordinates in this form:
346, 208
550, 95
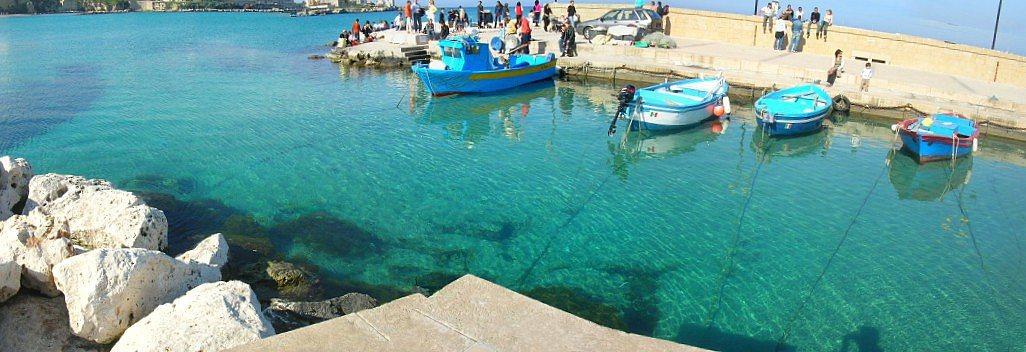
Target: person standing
767, 17
546, 17
519, 10
480, 14
567, 41
408, 13
431, 11
356, 27
788, 13
828, 20
867, 73
498, 14
796, 33
813, 19
571, 14
779, 26
417, 15
537, 12
837, 68
525, 35
800, 13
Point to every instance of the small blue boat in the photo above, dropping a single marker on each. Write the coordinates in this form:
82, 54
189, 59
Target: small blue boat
793, 111
469, 66
938, 137
679, 104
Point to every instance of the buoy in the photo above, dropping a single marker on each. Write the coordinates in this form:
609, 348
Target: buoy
927, 122
718, 110
524, 110
717, 127
894, 128
726, 105
976, 145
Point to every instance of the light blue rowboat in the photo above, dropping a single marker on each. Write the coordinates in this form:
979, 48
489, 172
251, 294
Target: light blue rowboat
678, 104
468, 66
793, 111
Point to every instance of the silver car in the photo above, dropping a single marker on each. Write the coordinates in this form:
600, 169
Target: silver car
641, 18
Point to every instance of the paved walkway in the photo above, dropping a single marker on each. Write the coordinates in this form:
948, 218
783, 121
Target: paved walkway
469, 314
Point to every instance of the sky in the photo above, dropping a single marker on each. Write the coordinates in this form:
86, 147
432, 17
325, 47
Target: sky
959, 21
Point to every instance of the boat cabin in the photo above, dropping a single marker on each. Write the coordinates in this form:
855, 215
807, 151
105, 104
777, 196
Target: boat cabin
466, 54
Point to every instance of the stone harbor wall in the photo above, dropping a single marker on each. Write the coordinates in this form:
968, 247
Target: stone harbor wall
895, 49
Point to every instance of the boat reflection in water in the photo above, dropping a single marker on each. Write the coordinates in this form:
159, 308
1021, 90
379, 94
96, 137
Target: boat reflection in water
768, 147
927, 182
641, 145
468, 118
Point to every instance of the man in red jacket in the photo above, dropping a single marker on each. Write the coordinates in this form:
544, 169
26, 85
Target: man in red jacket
525, 34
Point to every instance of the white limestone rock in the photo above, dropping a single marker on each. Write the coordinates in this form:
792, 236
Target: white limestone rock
107, 290
30, 323
10, 275
211, 317
14, 180
97, 214
37, 243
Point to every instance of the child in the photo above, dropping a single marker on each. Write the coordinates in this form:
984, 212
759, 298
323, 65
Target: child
867, 73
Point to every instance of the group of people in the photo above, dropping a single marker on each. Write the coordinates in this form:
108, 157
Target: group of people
838, 67
778, 21
358, 33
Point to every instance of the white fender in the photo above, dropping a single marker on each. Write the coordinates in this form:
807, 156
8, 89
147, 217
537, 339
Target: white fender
726, 105
976, 145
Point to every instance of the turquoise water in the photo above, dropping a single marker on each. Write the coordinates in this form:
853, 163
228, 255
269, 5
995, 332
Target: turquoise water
228, 126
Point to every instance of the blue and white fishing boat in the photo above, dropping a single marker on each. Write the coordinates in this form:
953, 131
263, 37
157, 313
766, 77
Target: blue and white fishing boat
679, 104
793, 111
469, 66
938, 137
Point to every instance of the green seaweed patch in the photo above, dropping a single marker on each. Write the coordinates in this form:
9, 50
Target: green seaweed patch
325, 232
580, 304
189, 221
159, 183
383, 293
713, 338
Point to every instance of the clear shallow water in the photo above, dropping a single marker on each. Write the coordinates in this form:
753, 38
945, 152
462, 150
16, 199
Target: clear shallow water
361, 175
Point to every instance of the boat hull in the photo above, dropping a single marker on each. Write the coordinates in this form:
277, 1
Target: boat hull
446, 82
928, 148
792, 127
653, 119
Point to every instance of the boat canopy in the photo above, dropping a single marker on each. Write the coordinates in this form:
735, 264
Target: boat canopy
465, 53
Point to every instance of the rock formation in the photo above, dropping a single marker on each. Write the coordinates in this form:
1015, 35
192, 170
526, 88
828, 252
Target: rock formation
97, 214
36, 243
288, 315
211, 317
14, 180
107, 290
10, 275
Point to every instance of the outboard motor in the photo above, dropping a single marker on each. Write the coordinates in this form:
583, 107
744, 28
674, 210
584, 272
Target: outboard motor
625, 97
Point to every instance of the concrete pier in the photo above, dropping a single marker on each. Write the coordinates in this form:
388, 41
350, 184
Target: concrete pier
469, 314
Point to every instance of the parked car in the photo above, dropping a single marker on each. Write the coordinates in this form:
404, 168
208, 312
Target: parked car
642, 18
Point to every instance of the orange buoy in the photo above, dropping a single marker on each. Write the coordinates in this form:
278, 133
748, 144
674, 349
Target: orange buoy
717, 127
524, 110
718, 110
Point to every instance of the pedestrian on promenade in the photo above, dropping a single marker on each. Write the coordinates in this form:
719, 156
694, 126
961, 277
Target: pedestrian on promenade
525, 35
498, 14
828, 20
836, 69
464, 19
767, 17
546, 17
567, 41
441, 17
800, 13
796, 33
867, 73
788, 13
408, 16
418, 12
664, 12
571, 14
519, 10
480, 14
779, 26
537, 12
432, 9
813, 19
356, 27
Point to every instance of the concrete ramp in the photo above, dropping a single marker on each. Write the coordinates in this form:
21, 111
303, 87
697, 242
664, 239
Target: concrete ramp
469, 314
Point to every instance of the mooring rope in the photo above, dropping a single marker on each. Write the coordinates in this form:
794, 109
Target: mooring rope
728, 260
819, 278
